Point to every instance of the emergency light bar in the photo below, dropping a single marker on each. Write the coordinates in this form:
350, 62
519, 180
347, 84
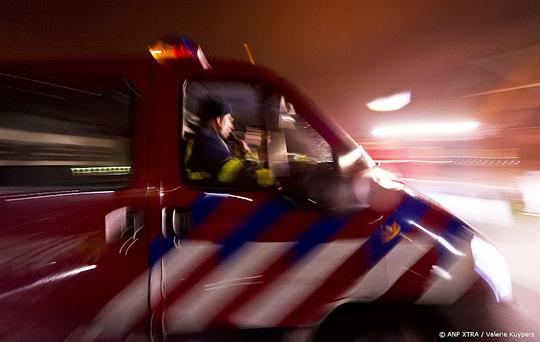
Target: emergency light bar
178, 49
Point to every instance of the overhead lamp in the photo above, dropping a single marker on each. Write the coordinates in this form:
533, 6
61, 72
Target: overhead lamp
390, 103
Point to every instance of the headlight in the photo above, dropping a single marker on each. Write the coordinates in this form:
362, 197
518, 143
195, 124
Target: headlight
490, 264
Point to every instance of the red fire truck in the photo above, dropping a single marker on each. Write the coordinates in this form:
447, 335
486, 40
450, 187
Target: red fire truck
105, 237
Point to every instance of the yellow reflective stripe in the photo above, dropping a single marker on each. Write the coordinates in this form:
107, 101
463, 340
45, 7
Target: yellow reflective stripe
229, 170
189, 150
101, 170
265, 177
197, 175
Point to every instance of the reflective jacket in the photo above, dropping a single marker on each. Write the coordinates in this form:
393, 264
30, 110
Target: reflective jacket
209, 158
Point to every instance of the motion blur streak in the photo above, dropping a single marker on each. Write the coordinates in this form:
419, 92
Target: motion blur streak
461, 183
198, 306
294, 286
439, 239
59, 195
525, 86
347, 160
426, 129
229, 195
441, 272
233, 282
49, 279
494, 211
384, 274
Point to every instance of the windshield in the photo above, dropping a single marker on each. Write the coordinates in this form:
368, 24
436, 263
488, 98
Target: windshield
350, 154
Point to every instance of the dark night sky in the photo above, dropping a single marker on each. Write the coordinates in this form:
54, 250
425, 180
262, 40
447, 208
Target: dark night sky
342, 53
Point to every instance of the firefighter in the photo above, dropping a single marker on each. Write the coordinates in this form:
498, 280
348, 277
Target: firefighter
208, 156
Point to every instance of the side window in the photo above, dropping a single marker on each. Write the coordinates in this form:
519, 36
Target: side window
56, 136
279, 142
214, 156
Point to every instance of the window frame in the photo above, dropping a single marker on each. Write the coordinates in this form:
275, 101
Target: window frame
268, 87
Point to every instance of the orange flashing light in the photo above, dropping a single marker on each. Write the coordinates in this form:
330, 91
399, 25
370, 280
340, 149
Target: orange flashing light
176, 49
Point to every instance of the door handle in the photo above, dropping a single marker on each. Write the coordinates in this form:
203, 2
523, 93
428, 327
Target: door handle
175, 222
124, 225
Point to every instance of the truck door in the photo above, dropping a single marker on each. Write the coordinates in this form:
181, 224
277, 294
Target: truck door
72, 207
232, 255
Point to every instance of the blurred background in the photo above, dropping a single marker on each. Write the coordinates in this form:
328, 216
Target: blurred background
461, 77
